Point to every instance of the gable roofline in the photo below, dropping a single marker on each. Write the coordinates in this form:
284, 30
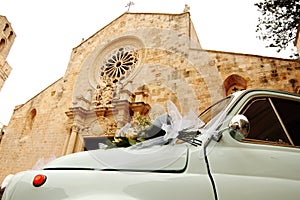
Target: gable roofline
49, 86
132, 13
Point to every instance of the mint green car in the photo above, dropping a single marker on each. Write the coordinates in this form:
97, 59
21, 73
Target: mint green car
247, 147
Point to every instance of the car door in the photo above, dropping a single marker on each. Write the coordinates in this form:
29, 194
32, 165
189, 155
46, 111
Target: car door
266, 164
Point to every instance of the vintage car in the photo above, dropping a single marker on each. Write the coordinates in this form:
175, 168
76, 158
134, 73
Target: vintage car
245, 146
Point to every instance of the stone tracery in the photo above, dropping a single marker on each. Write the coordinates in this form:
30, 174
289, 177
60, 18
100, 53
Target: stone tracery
119, 63
115, 67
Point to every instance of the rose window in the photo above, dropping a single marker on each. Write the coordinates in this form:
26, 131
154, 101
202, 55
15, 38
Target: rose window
119, 64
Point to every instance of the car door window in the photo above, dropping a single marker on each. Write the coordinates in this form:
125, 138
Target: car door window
264, 123
288, 111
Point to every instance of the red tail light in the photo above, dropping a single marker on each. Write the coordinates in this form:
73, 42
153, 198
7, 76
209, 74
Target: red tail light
39, 180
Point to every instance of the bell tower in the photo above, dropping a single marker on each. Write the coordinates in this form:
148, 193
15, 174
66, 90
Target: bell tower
7, 37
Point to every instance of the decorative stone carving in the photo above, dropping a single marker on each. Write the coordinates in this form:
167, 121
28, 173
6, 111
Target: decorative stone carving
186, 8
116, 59
104, 93
117, 66
84, 101
119, 63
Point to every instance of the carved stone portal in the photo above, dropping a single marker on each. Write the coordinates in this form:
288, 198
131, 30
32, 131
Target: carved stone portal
112, 106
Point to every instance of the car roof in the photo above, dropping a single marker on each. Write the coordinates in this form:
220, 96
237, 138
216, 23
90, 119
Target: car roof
258, 91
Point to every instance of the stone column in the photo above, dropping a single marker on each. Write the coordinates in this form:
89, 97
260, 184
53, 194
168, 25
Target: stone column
72, 140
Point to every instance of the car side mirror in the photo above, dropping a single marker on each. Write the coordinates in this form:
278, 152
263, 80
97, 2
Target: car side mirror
240, 127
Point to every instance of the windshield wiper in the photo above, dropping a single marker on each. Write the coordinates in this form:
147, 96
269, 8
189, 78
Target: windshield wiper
190, 137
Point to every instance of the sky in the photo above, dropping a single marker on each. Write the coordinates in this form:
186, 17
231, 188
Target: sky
48, 30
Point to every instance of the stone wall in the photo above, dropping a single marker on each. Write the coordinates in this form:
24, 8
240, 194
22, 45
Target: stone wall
259, 71
37, 129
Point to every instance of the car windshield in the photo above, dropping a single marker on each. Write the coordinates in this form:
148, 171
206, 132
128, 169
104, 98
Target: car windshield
207, 115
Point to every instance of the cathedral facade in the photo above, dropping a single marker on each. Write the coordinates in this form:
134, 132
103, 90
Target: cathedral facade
131, 68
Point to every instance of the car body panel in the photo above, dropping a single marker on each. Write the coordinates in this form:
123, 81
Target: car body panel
113, 185
157, 158
255, 171
107, 183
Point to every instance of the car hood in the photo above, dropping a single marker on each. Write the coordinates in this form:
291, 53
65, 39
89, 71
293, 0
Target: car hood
155, 158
